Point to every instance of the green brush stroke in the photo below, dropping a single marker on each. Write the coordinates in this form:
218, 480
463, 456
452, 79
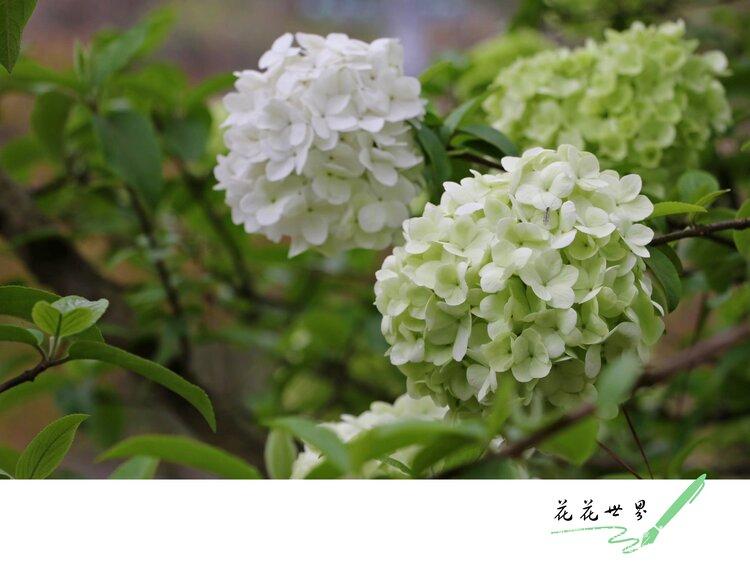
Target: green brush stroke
615, 539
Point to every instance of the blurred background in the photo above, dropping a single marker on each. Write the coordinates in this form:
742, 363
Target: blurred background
305, 338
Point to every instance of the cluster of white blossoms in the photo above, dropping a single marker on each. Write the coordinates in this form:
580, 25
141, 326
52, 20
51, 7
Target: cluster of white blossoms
380, 413
535, 273
320, 150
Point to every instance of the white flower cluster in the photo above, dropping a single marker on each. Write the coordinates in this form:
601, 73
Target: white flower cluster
535, 273
319, 145
380, 413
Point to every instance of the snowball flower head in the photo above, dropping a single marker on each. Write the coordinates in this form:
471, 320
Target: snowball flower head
320, 150
536, 273
643, 100
380, 413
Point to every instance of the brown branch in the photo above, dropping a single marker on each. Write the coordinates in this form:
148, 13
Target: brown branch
31, 374
701, 230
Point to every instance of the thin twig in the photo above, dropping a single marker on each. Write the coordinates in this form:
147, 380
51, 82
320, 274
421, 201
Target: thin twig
165, 278
701, 230
30, 375
619, 460
637, 439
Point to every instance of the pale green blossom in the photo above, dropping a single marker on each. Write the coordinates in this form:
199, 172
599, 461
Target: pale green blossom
643, 100
490, 285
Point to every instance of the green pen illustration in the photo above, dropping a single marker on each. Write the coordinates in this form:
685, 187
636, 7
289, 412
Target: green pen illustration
632, 544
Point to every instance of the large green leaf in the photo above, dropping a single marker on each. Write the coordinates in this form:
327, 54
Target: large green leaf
434, 150
14, 14
666, 208
318, 437
457, 117
112, 53
615, 383
19, 301
137, 468
574, 444
131, 150
279, 454
387, 439
148, 369
502, 405
186, 137
48, 120
18, 334
186, 452
47, 450
667, 275
487, 140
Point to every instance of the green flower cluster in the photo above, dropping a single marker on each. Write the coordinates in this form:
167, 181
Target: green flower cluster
486, 59
535, 273
642, 100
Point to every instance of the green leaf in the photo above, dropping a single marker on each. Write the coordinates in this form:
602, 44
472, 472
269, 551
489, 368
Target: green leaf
48, 120
186, 137
666, 208
708, 199
47, 450
615, 383
440, 166
195, 395
19, 301
667, 276
186, 452
502, 405
131, 150
318, 437
17, 334
386, 439
696, 184
138, 468
745, 146
742, 237
435, 452
492, 141
14, 15
113, 52
279, 454
456, 117
574, 444
68, 316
